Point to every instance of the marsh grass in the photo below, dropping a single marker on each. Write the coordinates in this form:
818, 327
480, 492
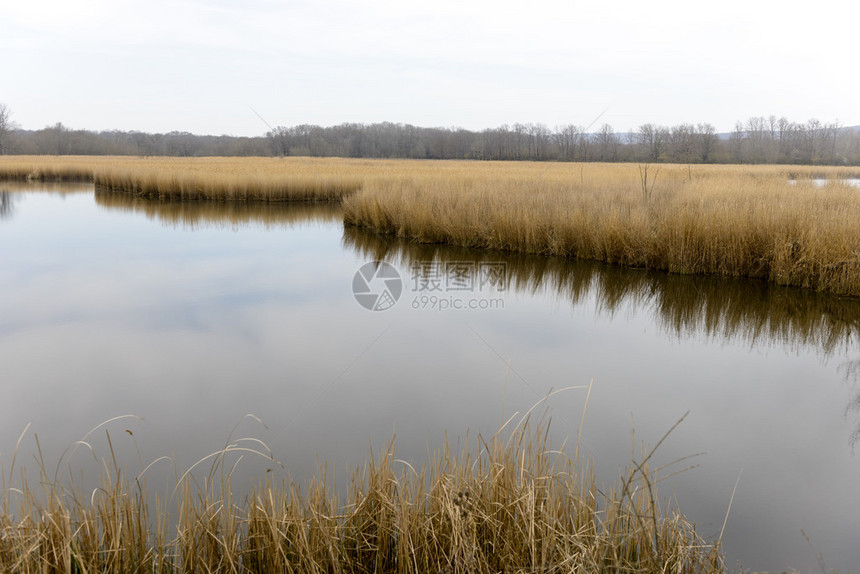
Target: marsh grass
181, 185
205, 179
768, 222
199, 214
717, 220
506, 503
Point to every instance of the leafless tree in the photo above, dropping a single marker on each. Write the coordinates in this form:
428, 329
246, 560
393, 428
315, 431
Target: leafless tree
707, 141
652, 141
280, 140
736, 142
566, 138
607, 144
682, 143
5, 126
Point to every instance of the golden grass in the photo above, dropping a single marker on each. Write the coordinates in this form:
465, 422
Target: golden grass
719, 220
47, 168
509, 503
768, 222
212, 179
197, 214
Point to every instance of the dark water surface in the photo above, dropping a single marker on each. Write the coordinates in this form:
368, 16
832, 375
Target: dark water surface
193, 315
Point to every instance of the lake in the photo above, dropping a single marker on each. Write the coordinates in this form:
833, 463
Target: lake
192, 316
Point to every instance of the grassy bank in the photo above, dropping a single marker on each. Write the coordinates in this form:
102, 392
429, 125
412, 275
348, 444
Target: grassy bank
199, 214
208, 179
509, 503
769, 222
763, 222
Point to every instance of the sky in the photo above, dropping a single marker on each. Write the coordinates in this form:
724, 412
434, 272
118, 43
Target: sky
237, 67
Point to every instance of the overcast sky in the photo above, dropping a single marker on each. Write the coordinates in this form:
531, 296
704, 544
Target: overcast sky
203, 65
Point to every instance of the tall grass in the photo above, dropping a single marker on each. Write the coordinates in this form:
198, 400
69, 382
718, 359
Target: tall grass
31, 168
769, 222
211, 179
728, 221
197, 214
178, 184
506, 503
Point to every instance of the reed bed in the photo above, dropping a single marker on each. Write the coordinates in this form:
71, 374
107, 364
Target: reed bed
200, 214
59, 168
207, 179
767, 222
508, 503
177, 184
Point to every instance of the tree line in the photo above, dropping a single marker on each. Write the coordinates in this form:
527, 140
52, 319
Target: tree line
758, 140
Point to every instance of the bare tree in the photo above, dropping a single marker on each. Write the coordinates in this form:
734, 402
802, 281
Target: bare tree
607, 143
736, 142
760, 140
567, 138
682, 143
707, 141
280, 140
652, 141
5, 125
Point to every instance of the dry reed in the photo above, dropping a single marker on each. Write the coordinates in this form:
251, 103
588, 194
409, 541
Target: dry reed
508, 503
198, 214
769, 222
211, 179
729, 221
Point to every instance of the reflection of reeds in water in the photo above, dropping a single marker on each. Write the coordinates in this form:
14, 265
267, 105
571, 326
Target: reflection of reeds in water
509, 503
45, 186
9, 190
7, 204
196, 214
757, 312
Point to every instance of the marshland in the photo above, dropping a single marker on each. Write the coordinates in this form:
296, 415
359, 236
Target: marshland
165, 289
773, 223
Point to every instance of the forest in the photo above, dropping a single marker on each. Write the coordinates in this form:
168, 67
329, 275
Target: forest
757, 140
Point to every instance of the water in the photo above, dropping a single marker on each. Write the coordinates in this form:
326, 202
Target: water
193, 315
822, 182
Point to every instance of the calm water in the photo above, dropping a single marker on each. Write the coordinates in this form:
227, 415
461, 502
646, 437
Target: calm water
821, 182
192, 316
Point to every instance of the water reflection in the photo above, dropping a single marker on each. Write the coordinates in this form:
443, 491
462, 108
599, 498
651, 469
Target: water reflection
822, 182
851, 371
6, 205
755, 312
10, 192
191, 331
199, 214
54, 188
